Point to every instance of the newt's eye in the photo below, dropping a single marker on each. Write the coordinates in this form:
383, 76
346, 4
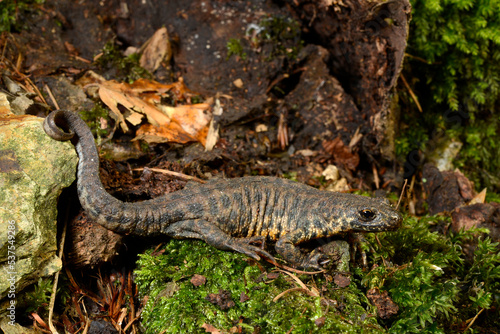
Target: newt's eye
367, 215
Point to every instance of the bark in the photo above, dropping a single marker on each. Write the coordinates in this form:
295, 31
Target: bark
366, 41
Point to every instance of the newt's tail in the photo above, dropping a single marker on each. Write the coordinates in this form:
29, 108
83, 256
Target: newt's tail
108, 211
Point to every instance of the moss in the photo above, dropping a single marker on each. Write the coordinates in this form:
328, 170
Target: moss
126, 68
93, 119
435, 285
290, 175
492, 197
234, 47
272, 37
183, 308
284, 34
453, 67
39, 297
10, 13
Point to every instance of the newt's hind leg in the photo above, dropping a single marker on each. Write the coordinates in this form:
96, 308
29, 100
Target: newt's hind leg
214, 236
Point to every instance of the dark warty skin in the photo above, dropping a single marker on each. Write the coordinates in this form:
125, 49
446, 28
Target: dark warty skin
228, 214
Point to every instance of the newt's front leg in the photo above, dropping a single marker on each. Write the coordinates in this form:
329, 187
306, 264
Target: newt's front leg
286, 247
214, 236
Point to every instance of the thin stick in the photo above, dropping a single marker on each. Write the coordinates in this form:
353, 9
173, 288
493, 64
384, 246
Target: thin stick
375, 176
407, 55
56, 280
293, 270
37, 91
413, 96
473, 319
47, 88
402, 192
174, 174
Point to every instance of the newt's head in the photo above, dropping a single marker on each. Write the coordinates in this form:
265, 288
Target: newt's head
365, 214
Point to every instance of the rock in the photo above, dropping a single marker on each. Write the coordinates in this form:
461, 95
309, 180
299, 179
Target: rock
324, 109
480, 215
14, 328
68, 95
33, 171
446, 190
101, 327
444, 152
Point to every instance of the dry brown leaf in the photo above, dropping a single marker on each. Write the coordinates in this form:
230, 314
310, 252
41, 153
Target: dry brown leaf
135, 118
130, 102
187, 123
212, 136
155, 50
342, 155
479, 198
113, 93
210, 329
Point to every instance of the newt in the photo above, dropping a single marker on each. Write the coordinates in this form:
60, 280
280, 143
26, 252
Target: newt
229, 214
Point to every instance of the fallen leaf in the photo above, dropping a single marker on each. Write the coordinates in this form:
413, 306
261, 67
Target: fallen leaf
320, 322
306, 153
238, 83
341, 154
210, 329
155, 50
166, 123
479, 198
222, 299
198, 280
186, 124
244, 297
386, 307
342, 281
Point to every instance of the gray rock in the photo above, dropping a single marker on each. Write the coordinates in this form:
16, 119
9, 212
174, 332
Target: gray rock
33, 171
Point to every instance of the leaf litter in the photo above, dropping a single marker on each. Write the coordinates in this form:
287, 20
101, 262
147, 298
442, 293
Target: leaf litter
180, 122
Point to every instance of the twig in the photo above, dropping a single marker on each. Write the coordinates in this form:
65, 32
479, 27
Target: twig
283, 77
174, 174
56, 280
282, 132
37, 91
380, 245
413, 96
302, 287
47, 88
39, 320
407, 55
87, 325
375, 176
473, 319
131, 322
297, 271
402, 193
308, 292
82, 59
